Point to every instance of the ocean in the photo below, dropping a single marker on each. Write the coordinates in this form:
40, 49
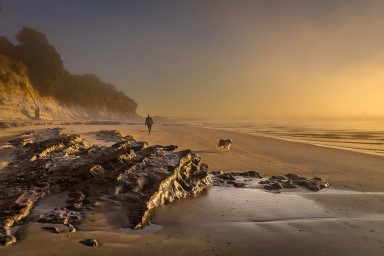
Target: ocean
365, 135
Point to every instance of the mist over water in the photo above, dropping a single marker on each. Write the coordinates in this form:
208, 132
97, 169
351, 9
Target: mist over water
364, 135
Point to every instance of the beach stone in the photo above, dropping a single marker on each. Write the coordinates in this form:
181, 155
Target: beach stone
288, 184
298, 178
108, 135
322, 184
52, 229
59, 216
302, 183
90, 242
294, 181
291, 175
238, 185
226, 176
255, 174
278, 178
312, 185
218, 181
273, 186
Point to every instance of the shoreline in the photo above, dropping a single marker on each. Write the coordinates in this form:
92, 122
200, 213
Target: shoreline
309, 142
227, 220
272, 156
177, 123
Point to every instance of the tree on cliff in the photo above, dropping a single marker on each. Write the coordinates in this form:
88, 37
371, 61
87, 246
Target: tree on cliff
45, 66
6, 47
89, 91
48, 76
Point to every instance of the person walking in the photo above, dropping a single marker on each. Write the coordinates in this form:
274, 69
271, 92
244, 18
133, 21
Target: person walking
149, 123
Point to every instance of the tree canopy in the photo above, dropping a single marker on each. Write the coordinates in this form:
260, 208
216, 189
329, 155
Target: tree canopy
45, 66
48, 76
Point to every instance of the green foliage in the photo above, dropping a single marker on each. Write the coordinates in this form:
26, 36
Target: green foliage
18, 67
45, 66
35, 56
6, 47
6, 77
89, 91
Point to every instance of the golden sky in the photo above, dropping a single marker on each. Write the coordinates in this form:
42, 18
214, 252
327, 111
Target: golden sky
235, 59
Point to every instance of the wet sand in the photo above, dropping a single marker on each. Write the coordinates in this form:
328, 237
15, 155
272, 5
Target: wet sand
344, 220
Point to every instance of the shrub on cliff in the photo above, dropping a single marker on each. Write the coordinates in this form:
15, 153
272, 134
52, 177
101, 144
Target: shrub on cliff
45, 67
6, 47
48, 76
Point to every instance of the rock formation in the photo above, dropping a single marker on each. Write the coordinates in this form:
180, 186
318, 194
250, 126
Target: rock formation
272, 184
131, 174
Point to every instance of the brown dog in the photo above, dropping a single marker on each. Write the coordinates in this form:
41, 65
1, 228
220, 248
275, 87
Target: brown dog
224, 144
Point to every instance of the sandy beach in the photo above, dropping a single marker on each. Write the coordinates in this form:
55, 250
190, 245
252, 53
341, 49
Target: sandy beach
345, 219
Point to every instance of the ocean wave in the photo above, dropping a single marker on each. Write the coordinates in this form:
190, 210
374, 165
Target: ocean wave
366, 136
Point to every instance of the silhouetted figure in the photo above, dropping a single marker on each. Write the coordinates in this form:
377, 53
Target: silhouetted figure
149, 123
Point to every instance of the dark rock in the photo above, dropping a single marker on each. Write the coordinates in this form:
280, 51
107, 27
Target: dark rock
218, 182
278, 178
238, 185
255, 174
302, 183
322, 184
52, 229
291, 175
90, 242
226, 176
298, 178
288, 184
108, 135
60, 217
250, 174
273, 186
314, 185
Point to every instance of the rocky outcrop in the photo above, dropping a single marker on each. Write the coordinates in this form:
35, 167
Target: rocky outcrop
294, 181
129, 174
236, 179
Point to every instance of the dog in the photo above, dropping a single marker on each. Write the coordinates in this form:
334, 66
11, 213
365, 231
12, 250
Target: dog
224, 144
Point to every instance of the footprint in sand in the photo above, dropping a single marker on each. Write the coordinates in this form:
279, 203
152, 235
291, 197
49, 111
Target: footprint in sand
350, 225
381, 243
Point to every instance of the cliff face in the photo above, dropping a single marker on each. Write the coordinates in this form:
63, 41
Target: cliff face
18, 99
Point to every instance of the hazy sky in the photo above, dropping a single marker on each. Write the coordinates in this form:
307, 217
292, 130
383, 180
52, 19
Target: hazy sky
221, 58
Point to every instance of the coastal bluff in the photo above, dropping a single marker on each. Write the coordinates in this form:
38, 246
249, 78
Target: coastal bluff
19, 99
